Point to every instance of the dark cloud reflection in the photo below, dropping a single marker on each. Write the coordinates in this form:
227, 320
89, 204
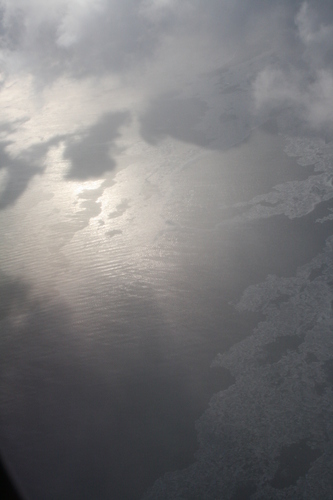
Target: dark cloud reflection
173, 116
20, 170
18, 175
90, 154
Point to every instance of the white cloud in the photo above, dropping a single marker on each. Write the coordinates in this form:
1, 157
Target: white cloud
92, 37
88, 36
309, 86
77, 16
158, 10
320, 100
80, 37
309, 29
272, 86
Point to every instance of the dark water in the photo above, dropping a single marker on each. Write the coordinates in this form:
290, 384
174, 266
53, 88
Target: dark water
100, 396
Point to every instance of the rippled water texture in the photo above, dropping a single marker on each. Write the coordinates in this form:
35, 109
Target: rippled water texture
166, 275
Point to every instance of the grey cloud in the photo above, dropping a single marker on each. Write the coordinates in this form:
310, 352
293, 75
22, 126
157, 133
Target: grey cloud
18, 174
90, 154
170, 115
77, 37
305, 85
296, 84
19, 171
91, 38
108, 35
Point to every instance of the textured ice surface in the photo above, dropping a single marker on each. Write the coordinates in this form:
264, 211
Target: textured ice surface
297, 198
270, 434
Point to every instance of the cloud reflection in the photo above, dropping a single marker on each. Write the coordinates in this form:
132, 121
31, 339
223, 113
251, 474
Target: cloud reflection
18, 174
90, 154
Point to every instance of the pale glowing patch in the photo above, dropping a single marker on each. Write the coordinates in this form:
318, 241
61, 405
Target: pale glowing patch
67, 107
16, 100
87, 186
